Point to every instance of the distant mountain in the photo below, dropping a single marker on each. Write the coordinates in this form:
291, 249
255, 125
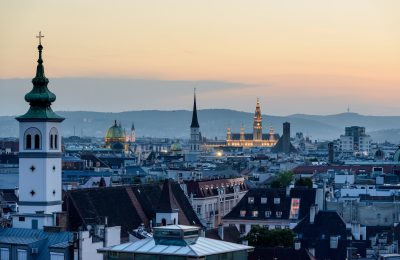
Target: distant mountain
213, 123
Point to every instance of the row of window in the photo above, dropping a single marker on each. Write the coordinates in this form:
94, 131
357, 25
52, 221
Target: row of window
32, 139
264, 200
22, 254
254, 213
242, 227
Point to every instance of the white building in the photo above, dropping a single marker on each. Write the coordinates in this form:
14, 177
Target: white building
355, 141
39, 157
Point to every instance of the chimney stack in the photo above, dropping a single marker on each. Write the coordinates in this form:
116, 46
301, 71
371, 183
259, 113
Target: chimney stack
313, 212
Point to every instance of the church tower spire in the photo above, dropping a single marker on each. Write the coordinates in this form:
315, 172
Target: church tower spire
195, 122
195, 135
39, 156
257, 124
40, 97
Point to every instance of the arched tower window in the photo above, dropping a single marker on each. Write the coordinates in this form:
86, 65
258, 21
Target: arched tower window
51, 141
28, 142
37, 141
163, 222
53, 138
32, 139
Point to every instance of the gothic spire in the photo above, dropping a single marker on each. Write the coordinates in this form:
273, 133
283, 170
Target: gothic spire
195, 122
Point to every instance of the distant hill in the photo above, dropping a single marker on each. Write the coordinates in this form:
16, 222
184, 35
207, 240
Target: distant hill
213, 123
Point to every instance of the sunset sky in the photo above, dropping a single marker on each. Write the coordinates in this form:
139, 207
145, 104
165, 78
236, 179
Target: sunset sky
299, 56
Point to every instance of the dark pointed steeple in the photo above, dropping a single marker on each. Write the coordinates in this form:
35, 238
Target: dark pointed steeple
195, 122
133, 127
40, 97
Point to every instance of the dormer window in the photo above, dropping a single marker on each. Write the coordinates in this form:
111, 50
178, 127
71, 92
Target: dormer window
242, 213
278, 214
263, 200
277, 200
251, 200
267, 214
255, 213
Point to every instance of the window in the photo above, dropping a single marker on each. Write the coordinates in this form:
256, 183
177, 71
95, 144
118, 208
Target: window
51, 142
242, 228
263, 200
294, 208
278, 214
255, 213
56, 141
4, 254
37, 141
267, 214
56, 256
21, 219
278, 227
198, 209
34, 224
22, 254
251, 200
28, 142
242, 213
277, 200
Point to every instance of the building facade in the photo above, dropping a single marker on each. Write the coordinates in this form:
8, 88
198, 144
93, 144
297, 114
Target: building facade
355, 141
255, 139
213, 199
39, 157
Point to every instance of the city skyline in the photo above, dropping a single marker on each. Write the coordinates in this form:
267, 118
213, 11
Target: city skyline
303, 57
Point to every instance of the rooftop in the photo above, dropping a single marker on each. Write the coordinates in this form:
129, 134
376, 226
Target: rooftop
163, 243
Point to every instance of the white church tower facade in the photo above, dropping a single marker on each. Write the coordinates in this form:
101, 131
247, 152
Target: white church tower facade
39, 157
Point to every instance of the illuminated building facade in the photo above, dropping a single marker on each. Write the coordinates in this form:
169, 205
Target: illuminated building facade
255, 139
116, 138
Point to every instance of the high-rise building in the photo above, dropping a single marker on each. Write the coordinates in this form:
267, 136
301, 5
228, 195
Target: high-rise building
355, 141
39, 156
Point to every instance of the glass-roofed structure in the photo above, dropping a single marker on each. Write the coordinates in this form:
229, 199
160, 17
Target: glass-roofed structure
177, 242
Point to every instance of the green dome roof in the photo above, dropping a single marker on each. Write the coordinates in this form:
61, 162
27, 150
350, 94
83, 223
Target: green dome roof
176, 147
396, 156
40, 97
115, 133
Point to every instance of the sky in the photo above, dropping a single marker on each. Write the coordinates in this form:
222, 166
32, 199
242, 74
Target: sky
303, 56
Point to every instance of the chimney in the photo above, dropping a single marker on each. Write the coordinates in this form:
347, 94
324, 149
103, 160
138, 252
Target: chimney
221, 231
297, 244
313, 212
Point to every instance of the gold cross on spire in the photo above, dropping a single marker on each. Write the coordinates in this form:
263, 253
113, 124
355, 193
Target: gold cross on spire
40, 36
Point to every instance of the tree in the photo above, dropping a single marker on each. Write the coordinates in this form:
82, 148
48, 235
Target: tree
260, 236
282, 180
305, 182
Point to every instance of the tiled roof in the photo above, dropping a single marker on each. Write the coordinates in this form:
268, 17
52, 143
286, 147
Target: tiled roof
90, 206
272, 205
44, 240
209, 187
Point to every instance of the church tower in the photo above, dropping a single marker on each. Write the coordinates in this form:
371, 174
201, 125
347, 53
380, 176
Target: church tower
257, 124
39, 156
195, 135
133, 134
